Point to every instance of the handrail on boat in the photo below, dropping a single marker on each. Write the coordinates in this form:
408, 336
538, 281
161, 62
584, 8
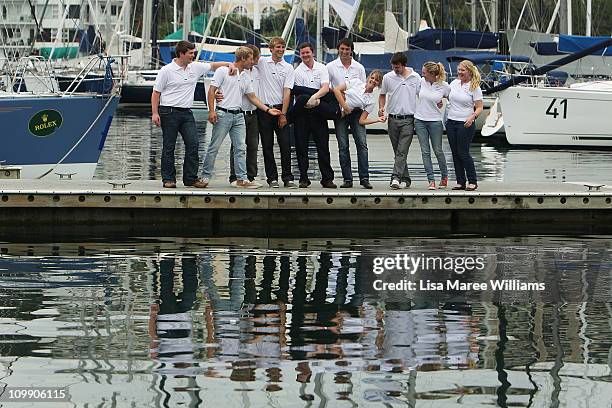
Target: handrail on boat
42, 71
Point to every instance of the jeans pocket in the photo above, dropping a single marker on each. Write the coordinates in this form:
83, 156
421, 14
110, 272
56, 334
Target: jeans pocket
164, 110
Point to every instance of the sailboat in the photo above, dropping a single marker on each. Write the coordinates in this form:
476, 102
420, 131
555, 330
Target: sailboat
54, 132
577, 116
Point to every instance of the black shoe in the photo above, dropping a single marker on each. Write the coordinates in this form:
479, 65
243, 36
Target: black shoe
304, 183
290, 184
366, 184
328, 184
347, 184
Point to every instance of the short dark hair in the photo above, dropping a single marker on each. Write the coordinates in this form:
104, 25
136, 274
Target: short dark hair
399, 58
346, 41
182, 47
306, 44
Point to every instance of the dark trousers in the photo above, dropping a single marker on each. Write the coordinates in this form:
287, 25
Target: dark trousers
252, 145
460, 139
268, 125
305, 125
328, 108
173, 122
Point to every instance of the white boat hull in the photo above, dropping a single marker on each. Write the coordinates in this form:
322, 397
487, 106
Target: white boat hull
557, 116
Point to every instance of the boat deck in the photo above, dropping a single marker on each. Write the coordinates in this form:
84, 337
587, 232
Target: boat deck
141, 207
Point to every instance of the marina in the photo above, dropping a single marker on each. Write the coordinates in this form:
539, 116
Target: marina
457, 253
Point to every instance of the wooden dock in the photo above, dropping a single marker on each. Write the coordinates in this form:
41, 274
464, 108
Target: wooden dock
71, 208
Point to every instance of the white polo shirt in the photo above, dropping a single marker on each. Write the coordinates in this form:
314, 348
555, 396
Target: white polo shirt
401, 92
274, 77
253, 77
177, 85
461, 100
429, 96
339, 74
311, 78
232, 86
357, 97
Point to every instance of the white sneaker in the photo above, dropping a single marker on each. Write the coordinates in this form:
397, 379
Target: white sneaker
395, 184
403, 184
247, 184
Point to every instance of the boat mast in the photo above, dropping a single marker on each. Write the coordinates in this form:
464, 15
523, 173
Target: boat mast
297, 5
146, 33
569, 17
563, 21
174, 16
154, 47
494, 16
186, 19
589, 7
319, 45
473, 9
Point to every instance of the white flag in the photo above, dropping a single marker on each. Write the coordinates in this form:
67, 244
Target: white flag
346, 9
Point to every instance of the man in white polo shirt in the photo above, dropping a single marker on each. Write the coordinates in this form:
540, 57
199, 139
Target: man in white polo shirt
276, 80
312, 75
228, 117
171, 103
342, 70
399, 90
250, 120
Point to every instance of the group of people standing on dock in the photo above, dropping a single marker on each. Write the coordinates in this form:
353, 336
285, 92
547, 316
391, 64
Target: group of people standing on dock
255, 98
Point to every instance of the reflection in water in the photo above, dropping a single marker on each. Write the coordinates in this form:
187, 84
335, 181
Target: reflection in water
207, 323
133, 151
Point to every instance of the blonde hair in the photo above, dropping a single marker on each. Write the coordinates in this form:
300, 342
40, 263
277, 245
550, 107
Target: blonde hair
469, 65
377, 75
274, 41
436, 69
243, 53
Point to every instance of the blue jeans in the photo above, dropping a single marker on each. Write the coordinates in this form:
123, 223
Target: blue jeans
232, 123
359, 135
460, 139
426, 131
173, 122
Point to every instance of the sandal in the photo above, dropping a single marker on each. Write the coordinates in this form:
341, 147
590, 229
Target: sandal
471, 187
459, 187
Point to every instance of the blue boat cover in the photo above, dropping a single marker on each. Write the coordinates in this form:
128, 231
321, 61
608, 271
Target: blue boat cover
435, 39
546, 48
575, 43
482, 57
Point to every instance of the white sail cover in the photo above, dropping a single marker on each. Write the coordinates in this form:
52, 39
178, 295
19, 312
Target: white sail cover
346, 9
396, 39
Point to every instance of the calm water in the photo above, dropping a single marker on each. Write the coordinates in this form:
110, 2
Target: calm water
133, 151
256, 323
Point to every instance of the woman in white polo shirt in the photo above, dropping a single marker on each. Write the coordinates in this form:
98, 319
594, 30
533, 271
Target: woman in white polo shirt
465, 104
357, 101
428, 119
